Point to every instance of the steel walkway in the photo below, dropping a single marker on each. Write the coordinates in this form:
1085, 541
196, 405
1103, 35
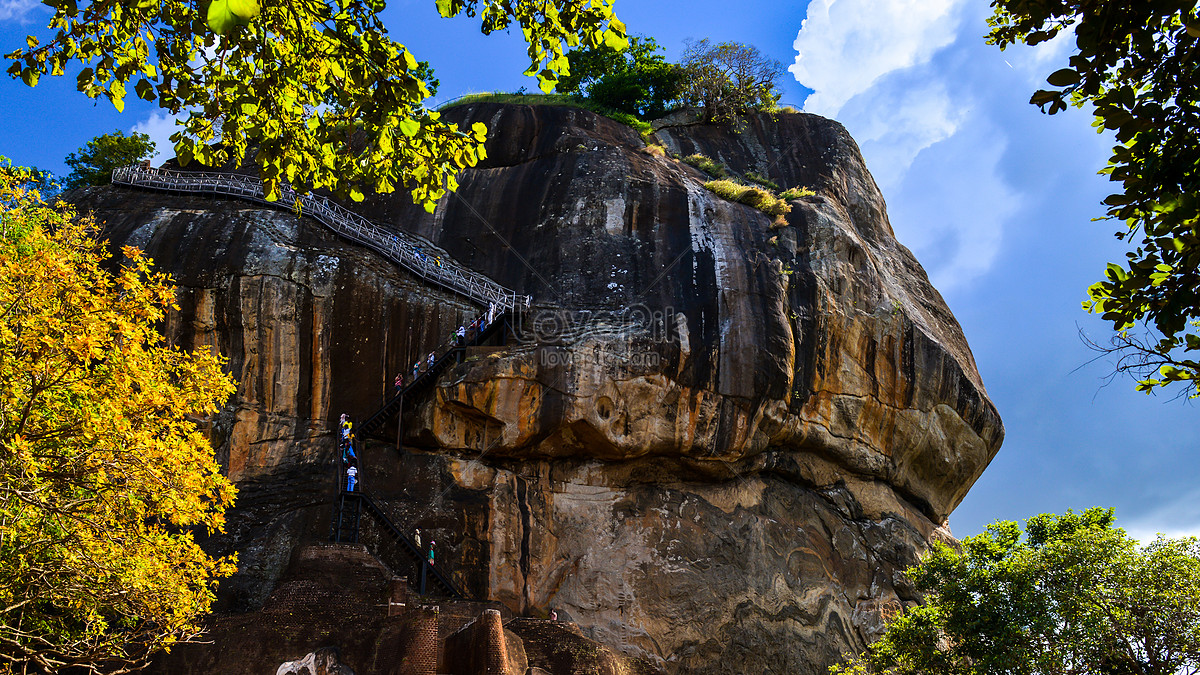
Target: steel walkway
346, 526
417, 256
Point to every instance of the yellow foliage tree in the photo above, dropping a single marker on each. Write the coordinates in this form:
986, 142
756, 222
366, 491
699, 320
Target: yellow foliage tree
104, 474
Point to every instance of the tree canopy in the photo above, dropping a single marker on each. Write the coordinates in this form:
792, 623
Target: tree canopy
729, 79
94, 163
637, 80
316, 91
1073, 596
1136, 65
104, 473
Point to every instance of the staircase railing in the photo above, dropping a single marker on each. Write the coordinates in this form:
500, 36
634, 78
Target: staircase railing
420, 258
425, 376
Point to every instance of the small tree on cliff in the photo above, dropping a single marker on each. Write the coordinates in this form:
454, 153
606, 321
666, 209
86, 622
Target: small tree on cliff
94, 163
103, 472
729, 79
637, 80
1074, 596
298, 81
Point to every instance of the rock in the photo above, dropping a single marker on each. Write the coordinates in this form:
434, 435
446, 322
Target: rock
713, 442
321, 662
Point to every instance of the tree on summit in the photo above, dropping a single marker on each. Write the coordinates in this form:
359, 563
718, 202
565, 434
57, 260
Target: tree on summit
1138, 65
94, 163
104, 474
728, 79
637, 80
317, 88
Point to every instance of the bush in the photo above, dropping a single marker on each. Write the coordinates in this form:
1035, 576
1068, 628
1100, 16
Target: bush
636, 80
796, 193
761, 180
756, 197
707, 165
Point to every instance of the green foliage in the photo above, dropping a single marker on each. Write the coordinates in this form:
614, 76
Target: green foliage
1136, 67
94, 163
638, 80
655, 149
796, 193
1074, 595
707, 165
104, 471
756, 197
759, 179
252, 80
729, 79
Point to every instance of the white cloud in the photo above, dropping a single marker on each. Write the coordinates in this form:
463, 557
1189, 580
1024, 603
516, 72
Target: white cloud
953, 206
845, 46
159, 126
16, 10
897, 122
888, 70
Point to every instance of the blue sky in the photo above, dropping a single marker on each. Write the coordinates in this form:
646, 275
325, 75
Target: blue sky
994, 198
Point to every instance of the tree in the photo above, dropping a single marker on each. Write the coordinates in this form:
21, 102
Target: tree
254, 77
95, 162
637, 80
1075, 596
1136, 65
104, 473
729, 79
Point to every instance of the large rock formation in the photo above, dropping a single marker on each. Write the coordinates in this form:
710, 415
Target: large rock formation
713, 442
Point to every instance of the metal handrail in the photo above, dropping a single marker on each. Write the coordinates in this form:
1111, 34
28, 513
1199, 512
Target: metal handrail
434, 266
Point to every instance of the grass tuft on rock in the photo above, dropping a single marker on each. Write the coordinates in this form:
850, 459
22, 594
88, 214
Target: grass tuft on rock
707, 165
762, 199
796, 193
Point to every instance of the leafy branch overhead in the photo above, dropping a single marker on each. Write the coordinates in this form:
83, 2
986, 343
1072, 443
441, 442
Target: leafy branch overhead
313, 92
1136, 65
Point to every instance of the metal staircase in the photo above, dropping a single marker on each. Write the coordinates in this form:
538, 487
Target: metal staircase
391, 408
418, 256
346, 528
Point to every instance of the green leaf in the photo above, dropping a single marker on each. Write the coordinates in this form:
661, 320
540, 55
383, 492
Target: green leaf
356, 194
445, 8
244, 9
144, 90
221, 18
116, 94
409, 127
1064, 77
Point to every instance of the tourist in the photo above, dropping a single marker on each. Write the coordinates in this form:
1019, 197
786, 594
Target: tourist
398, 383
432, 358
432, 543
417, 538
351, 477
553, 615
461, 333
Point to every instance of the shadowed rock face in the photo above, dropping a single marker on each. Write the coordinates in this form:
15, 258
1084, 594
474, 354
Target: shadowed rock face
714, 443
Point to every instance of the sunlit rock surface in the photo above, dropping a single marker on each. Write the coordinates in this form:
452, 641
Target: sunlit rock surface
713, 443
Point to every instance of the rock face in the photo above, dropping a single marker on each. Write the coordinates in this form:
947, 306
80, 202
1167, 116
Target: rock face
711, 443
